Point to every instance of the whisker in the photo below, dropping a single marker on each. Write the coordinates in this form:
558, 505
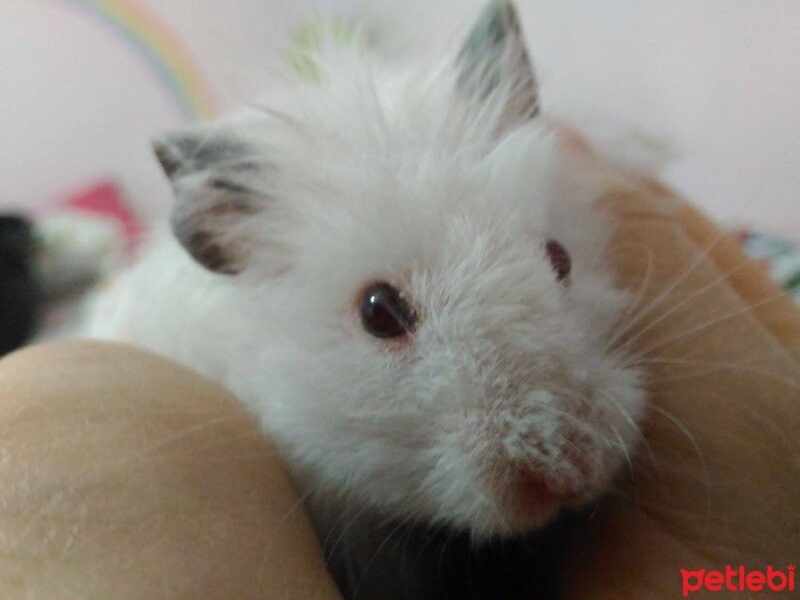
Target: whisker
274, 533
718, 367
375, 556
634, 305
624, 447
713, 322
695, 445
342, 532
693, 296
664, 294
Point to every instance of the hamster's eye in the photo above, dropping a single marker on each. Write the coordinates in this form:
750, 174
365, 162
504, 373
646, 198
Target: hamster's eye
559, 259
384, 312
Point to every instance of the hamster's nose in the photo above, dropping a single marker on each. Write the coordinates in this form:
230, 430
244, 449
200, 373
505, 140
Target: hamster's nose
535, 490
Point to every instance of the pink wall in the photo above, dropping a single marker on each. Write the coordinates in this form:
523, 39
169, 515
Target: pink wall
719, 79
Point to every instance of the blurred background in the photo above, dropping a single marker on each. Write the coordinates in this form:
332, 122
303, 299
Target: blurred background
86, 83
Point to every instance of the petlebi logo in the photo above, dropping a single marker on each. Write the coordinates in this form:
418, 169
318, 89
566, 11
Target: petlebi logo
739, 579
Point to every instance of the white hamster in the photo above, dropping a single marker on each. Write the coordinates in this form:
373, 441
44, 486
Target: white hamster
400, 272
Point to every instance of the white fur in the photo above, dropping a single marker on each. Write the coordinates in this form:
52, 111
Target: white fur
381, 173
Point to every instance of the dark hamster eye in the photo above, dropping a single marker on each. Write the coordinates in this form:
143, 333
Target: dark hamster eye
384, 312
559, 259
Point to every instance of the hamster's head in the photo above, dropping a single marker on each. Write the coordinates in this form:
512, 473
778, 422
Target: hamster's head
419, 308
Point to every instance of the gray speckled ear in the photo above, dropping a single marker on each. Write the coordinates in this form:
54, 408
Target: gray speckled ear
211, 173
494, 58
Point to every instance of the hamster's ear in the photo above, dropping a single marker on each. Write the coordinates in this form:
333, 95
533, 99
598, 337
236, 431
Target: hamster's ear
212, 172
494, 63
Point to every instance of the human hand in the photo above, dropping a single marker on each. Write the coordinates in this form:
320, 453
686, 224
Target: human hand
717, 481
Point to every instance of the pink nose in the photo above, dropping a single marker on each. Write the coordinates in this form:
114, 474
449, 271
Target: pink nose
535, 489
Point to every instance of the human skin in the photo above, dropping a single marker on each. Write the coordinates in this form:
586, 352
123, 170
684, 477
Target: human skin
718, 478
123, 475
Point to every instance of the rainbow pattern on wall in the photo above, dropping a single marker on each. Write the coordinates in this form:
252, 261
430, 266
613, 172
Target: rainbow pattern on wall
163, 52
